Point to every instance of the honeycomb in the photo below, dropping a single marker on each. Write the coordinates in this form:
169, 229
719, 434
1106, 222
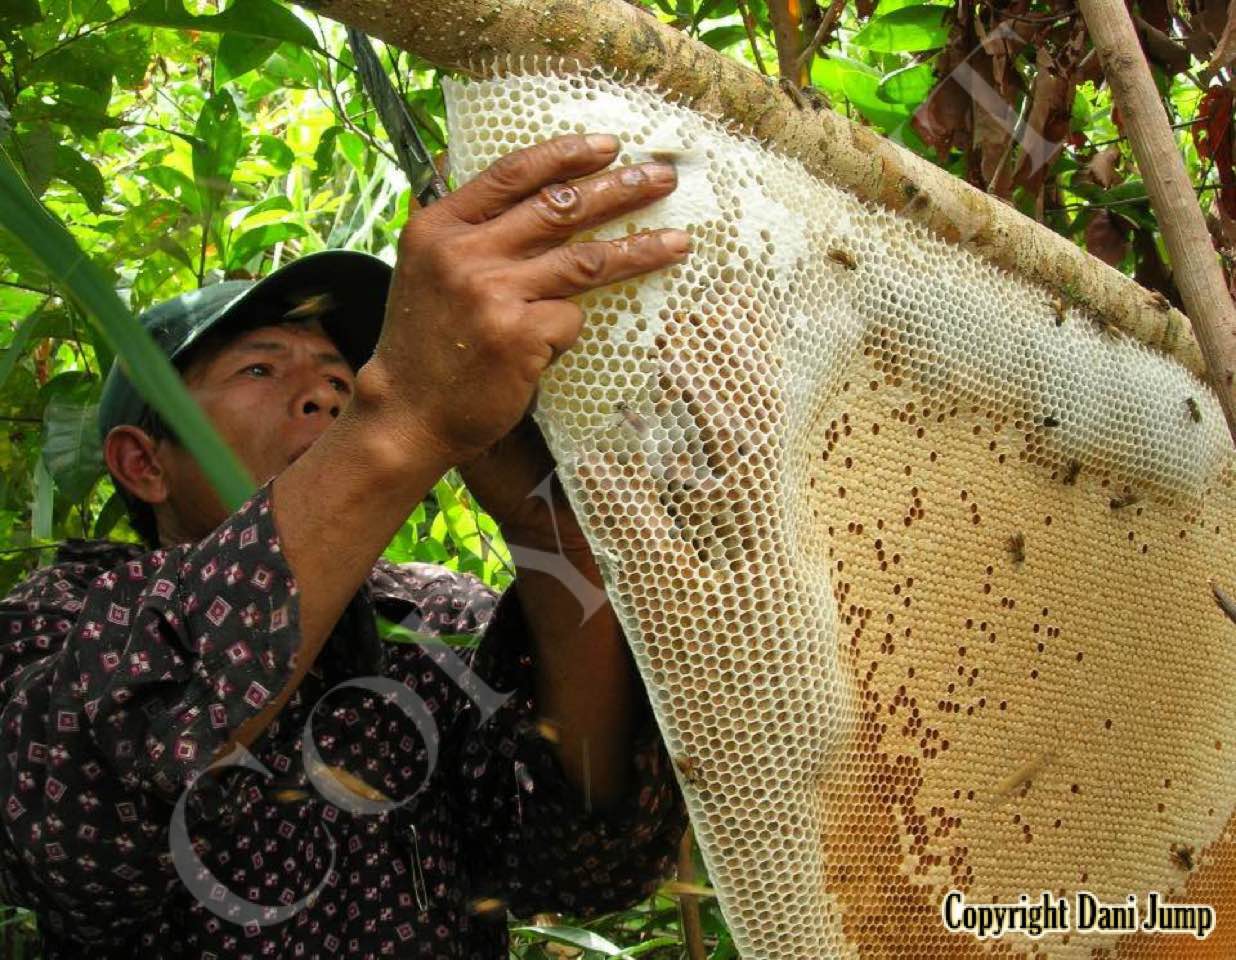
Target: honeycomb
913, 559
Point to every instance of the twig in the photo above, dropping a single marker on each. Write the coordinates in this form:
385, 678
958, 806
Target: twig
749, 24
77, 36
1226, 603
827, 22
1138, 199
26, 286
689, 904
46, 546
1195, 267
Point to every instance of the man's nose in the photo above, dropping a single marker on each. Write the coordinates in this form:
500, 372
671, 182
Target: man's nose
319, 396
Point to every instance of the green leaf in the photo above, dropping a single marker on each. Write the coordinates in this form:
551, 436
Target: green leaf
151, 372
214, 159
920, 27
36, 148
908, 85
86, 62
253, 18
254, 241
25, 332
353, 148
240, 53
276, 152
20, 13
722, 38
324, 154
860, 85
71, 449
572, 936
176, 185
888, 6
112, 513
82, 175
44, 501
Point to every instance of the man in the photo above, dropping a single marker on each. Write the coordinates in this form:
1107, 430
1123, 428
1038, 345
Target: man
391, 803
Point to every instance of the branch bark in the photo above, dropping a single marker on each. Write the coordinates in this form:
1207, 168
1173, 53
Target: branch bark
1195, 266
471, 36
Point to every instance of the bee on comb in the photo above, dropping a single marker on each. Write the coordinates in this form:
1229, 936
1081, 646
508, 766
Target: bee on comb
632, 420
1195, 409
1182, 856
1016, 545
843, 257
1071, 472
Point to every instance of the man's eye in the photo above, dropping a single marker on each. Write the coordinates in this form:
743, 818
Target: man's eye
257, 369
341, 385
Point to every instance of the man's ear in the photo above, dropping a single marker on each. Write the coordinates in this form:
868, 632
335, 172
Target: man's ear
130, 455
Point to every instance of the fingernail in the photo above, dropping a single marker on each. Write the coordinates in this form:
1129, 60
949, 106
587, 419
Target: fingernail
632, 176
676, 241
661, 173
602, 142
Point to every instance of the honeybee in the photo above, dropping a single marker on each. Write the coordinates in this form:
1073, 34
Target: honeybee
1058, 307
628, 417
313, 306
484, 906
1160, 302
1126, 499
1017, 546
1182, 856
1050, 421
689, 767
843, 257
1106, 327
1071, 471
1195, 409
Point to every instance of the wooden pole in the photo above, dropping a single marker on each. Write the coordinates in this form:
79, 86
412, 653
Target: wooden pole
471, 36
1195, 267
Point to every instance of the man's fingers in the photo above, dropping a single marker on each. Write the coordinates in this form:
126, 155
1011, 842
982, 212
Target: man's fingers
558, 323
578, 267
560, 210
522, 173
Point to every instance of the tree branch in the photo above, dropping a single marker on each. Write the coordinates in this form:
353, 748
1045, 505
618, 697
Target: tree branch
1195, 265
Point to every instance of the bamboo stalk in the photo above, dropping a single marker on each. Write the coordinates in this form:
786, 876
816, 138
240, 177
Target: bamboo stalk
471, 35
1195, 267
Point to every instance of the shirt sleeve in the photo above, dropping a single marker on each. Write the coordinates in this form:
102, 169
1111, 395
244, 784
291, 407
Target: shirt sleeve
143, 673
533, 841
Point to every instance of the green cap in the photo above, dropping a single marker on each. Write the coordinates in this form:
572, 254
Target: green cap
345, 291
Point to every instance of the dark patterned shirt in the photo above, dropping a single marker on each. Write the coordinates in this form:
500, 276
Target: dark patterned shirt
123, 671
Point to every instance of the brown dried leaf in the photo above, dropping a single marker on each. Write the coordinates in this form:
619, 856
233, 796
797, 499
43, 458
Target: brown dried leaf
943, 119
1107, 237
1102, 167
1162, 49
1225, 48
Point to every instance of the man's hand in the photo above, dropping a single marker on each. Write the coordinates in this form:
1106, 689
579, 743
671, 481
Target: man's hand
479, 306
514, 482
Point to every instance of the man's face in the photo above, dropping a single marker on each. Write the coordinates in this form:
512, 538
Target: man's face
270, 392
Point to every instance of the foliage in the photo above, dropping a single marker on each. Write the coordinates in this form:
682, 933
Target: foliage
181, 146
